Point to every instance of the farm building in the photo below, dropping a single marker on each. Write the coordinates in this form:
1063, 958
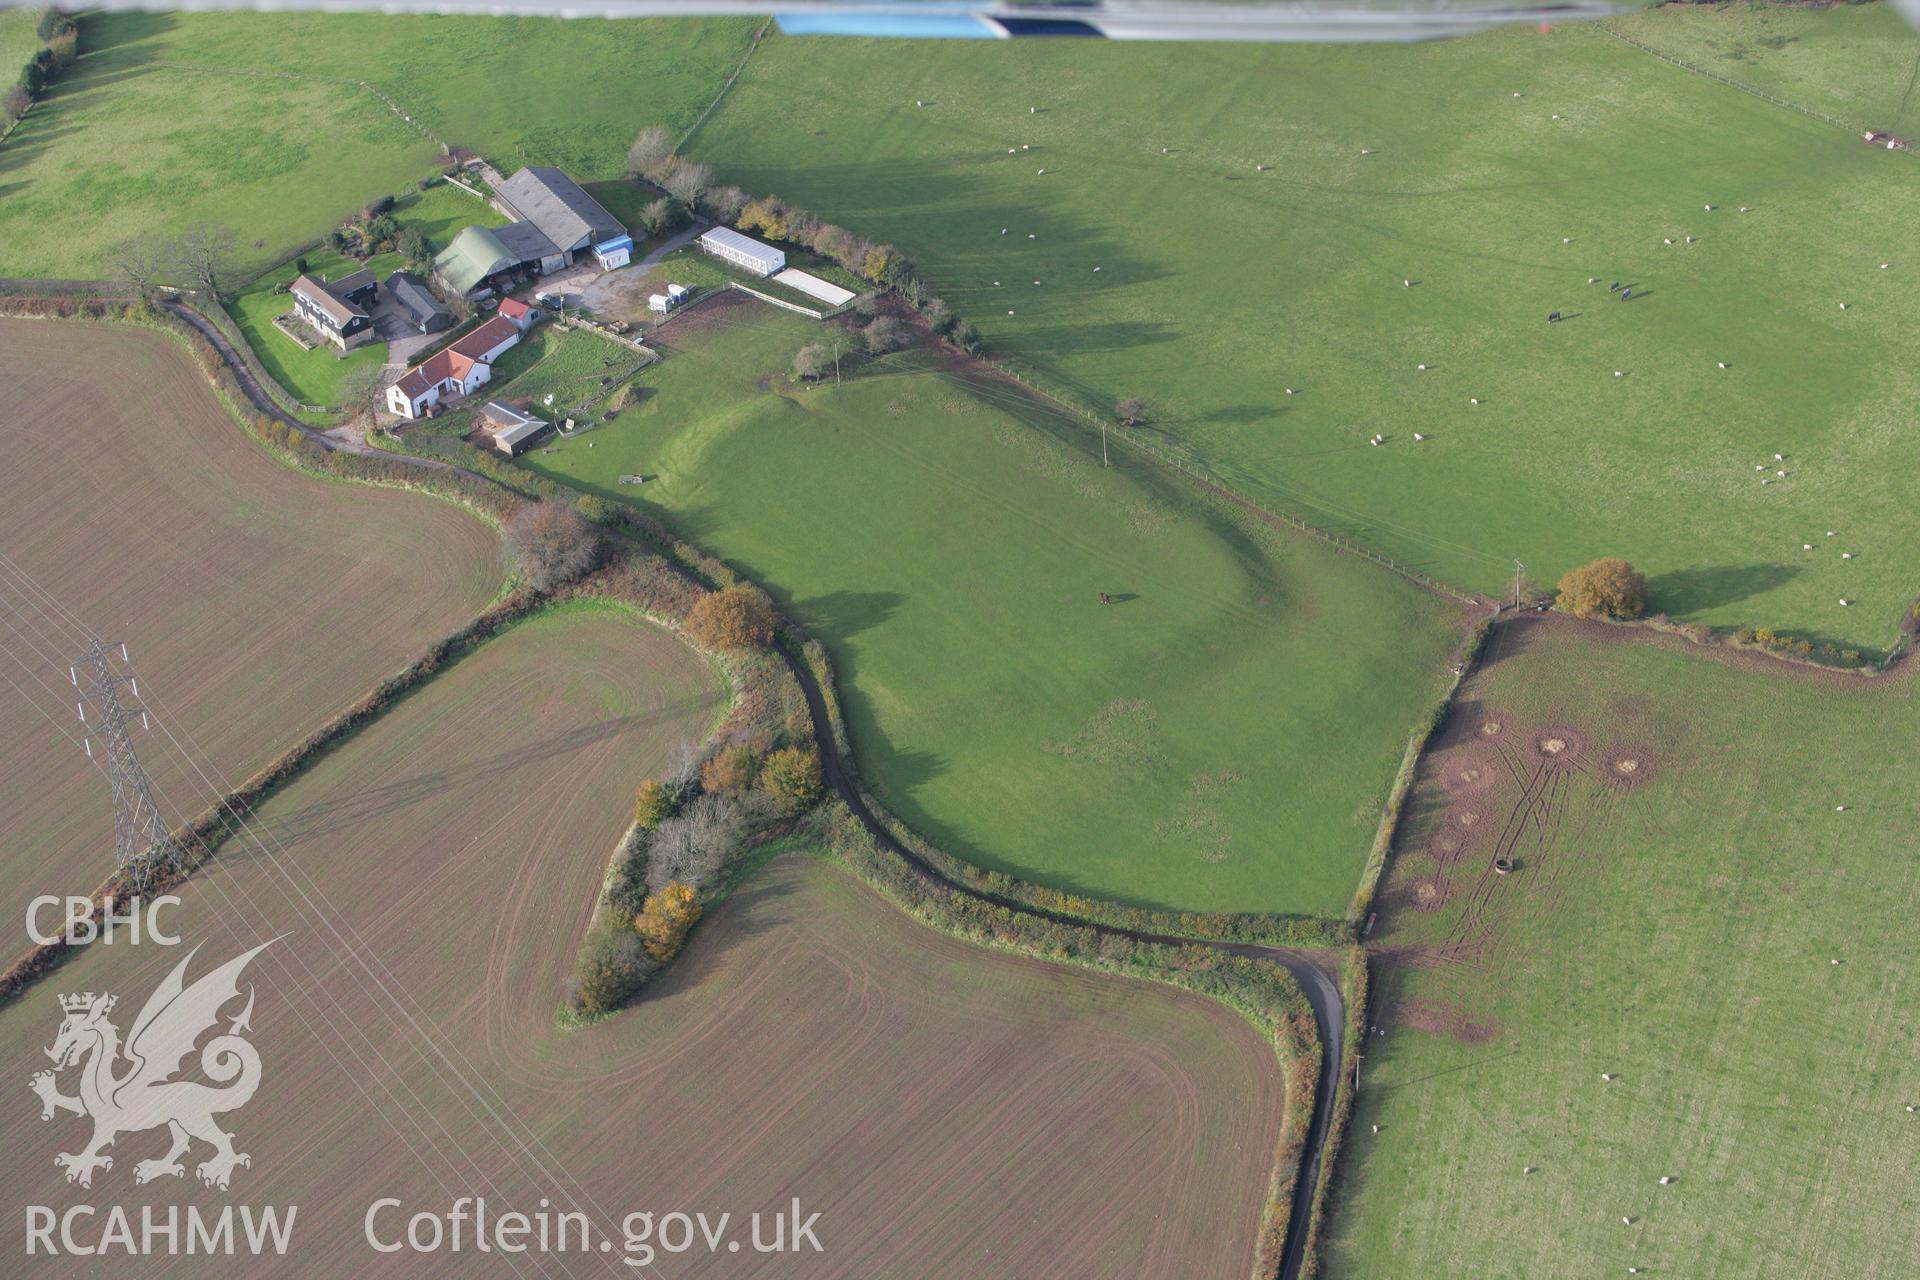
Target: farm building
417, 303
743, 251
523, 314
509, 430
337, 310
570, 219
554, 221
459, 370
614, 253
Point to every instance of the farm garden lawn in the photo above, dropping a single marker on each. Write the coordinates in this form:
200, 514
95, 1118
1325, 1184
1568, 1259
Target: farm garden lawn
945, 1109
314, 377
169, 119
1715, 903
255, 601
1177, 747
1247, 242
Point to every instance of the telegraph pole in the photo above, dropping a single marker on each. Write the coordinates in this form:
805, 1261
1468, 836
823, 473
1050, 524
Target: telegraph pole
142, 846
1519, 573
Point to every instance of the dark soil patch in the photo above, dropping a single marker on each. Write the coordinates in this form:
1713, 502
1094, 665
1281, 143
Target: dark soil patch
1466, 820
1447, 1020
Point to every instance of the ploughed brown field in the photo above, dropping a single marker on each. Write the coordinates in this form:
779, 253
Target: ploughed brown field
255, 601
948, 1111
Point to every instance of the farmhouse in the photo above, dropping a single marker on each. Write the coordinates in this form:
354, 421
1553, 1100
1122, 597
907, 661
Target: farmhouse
417, 303
337, 311
743, 251
509, 430
459, 370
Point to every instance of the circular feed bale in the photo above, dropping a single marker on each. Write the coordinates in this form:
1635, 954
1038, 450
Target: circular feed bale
1556, 745
1467, 773
1504, 866
1628, 766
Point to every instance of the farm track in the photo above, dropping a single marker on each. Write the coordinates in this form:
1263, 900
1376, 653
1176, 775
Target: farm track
1310, 969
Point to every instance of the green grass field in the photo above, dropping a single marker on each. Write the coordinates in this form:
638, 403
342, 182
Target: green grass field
1221, 284
18, 41
1854, 61
1220, 737
1678, 933
168, 119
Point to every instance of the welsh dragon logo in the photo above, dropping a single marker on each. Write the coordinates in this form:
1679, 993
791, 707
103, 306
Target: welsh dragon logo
129, 1088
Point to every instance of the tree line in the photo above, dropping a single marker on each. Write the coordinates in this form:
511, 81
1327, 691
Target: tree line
59, 46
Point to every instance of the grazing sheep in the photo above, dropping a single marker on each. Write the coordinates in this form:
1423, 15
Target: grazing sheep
1565, 240
1668, 240
1421, 367
1376, 1128
1806, 546
1516, 95
1163, 151
996, 284
1707, 207
1407, 283
1844, 603
1619, 373
1096, 268
1779, 457
1781, 474
1473, 400
918, 103
1665, 1180
1689, 239
1011, 151
1530, 1168
1366, 151
1033, 111
1036, 282
1830, 533
1627, 1221
1723, 364
1418, 436
1846, 555
1009, 310
1767, 480
1003, 231
1743, 208
1556, 117
1032, 236
1885, 265
1593, 279
1606, 1075
1759, 466
1043, 171
1843, 306
1026, 146
1289, 390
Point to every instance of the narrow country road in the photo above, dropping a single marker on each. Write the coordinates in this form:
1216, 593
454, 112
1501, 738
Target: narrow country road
257, 396
1314, 972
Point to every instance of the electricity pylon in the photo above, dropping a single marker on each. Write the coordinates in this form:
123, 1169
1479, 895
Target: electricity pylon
142, 846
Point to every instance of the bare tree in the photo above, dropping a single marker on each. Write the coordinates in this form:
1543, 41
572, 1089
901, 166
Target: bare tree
884, 334
362, 390
812, 360
688, 180
139, 264
205, 253
652, 148
553, 543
